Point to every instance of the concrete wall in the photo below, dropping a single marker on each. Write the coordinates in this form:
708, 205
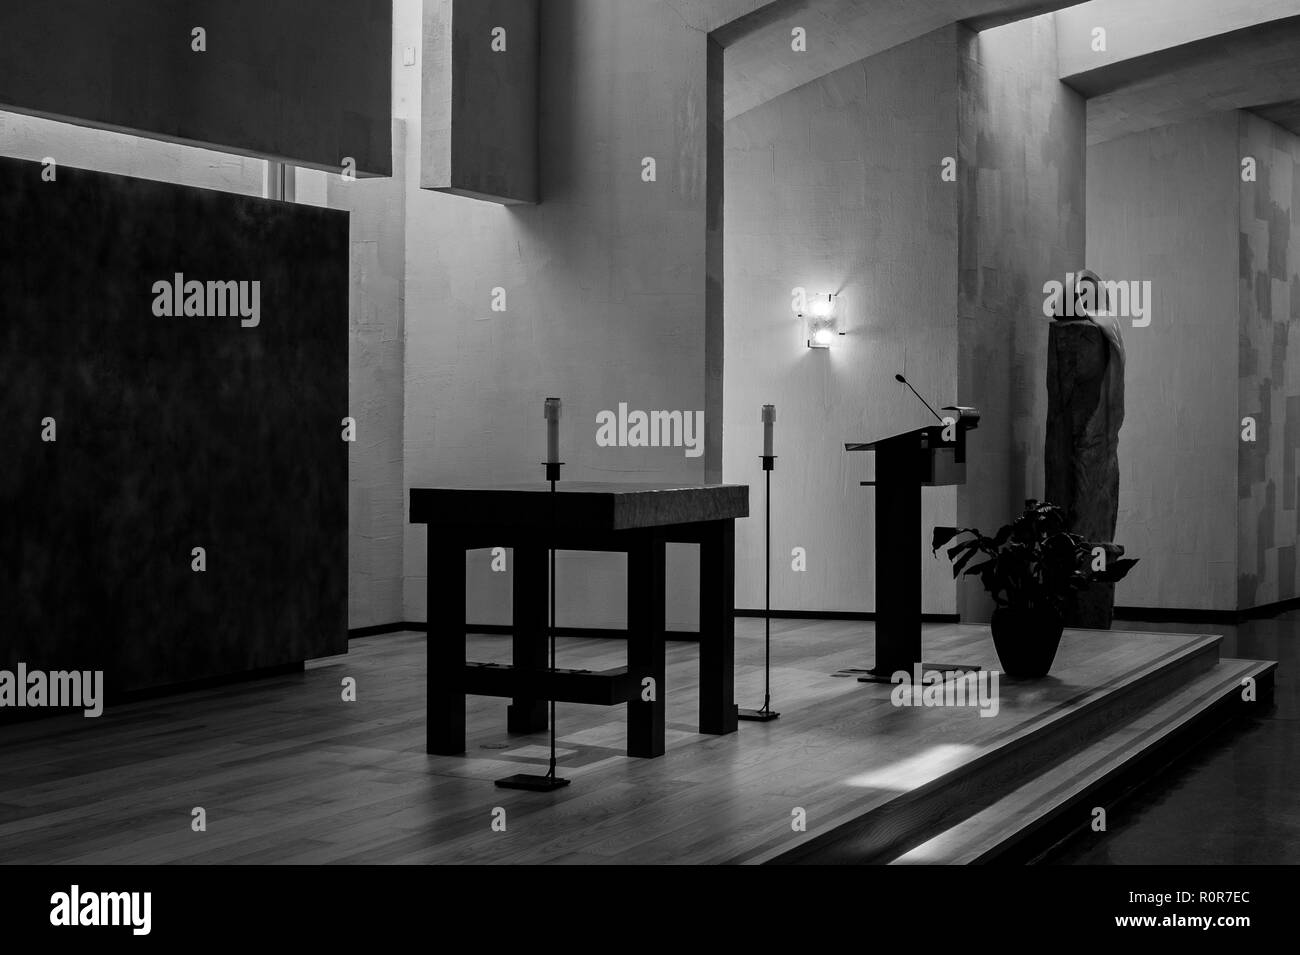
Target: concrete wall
835, 186
1269, 391
1163, 207
303, 81
376, 331
1022, 210
1139, 29
761, 64
29, 137
604, 283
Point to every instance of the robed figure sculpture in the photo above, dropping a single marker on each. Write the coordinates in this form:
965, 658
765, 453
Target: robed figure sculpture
1085, 409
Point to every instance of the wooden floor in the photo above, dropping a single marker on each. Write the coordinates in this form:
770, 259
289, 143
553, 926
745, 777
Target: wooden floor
288, 773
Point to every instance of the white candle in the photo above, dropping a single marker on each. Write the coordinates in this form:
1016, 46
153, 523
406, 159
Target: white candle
552, 413
769, 417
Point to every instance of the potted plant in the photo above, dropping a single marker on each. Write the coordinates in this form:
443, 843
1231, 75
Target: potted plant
1031, 568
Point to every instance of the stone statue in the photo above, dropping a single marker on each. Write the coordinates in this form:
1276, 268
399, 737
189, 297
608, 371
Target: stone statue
1085, 409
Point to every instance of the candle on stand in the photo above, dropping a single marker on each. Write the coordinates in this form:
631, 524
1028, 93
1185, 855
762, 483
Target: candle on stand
531, 782
766, 714
769, 417
552, 413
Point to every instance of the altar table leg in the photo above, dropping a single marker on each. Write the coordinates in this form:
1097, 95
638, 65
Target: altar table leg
445, 646
645, 643
531, 573
718, 628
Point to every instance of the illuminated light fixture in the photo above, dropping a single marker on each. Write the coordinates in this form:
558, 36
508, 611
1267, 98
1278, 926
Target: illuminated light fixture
821, 320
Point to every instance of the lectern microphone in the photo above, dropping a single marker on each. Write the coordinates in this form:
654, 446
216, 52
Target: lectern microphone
919, 398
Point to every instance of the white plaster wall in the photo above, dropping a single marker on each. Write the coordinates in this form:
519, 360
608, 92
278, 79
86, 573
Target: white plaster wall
835, 186
604, 282
1022, 225
1163, 207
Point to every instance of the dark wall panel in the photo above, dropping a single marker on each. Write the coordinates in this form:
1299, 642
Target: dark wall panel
302, 81
172, 432
479, 99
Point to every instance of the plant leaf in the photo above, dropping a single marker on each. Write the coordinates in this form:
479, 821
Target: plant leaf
964, 546
965, 559
941, 536
1115, 571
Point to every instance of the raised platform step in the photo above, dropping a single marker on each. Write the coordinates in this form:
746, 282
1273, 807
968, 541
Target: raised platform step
1041, 723
842, 756
1069, 787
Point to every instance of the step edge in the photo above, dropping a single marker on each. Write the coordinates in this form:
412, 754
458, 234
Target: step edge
1052, 723
1223, 687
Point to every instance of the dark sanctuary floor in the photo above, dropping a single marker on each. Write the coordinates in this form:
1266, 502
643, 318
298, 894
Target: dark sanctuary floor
1236, 798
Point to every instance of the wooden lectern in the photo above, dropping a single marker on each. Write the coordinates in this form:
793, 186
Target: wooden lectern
905, 463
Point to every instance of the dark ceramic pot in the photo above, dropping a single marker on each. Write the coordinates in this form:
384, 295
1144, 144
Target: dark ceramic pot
1026, 640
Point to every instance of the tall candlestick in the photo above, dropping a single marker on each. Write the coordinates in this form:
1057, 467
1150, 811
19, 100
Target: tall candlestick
531, 782
552, 414
766, 714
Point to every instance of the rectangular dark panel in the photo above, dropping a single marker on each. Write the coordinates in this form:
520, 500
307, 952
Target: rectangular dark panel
479, 103
171, 432
307, 82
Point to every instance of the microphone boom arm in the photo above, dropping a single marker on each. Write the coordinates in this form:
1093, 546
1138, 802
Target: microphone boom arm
918, 396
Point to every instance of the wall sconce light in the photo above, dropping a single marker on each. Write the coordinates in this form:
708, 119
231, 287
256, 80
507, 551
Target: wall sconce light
821, 320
